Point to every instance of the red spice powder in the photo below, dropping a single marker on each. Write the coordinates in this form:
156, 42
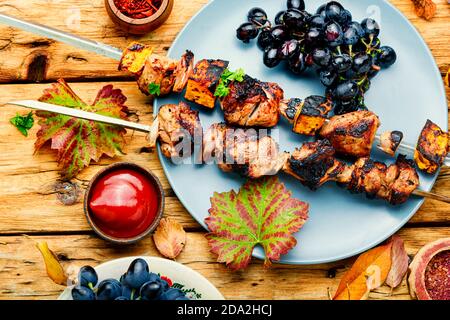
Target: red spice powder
138, 9
437, 276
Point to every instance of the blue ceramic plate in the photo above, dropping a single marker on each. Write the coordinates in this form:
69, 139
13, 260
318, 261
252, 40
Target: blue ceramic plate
405, 96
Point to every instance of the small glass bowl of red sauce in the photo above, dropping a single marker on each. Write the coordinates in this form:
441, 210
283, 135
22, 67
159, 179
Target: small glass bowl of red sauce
139, 16
124, 203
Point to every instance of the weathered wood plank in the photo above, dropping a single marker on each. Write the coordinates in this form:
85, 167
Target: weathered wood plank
51, 60
33, 58
23, 276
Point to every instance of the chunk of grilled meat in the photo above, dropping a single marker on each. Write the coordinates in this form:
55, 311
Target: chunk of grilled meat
352, 134
252, 103
390, 141
168, 74
314, 164
432, 148
176, 123
134, 57
203, 82
394, 183
184, 70
242, 151
308, 116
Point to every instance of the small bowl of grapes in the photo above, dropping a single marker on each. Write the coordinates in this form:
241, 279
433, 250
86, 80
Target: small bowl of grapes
140, 278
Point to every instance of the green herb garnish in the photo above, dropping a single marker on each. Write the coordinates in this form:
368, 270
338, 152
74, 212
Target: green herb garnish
23, 123
228, 76
154, 89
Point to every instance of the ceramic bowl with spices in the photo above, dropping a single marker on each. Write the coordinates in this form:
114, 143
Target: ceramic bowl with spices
139, 16
124, 203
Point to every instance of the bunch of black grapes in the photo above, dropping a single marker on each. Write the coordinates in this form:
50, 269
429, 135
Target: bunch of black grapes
138, 283
346, 54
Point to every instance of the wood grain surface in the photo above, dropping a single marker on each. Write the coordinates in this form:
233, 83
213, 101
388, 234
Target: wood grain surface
29, 204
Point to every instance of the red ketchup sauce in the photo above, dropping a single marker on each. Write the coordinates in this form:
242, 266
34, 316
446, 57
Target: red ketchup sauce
123, 203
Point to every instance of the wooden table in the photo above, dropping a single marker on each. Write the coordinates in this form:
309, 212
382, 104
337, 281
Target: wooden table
28, 203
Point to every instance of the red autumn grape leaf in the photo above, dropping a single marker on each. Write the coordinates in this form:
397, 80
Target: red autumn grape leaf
263, 212
78, 141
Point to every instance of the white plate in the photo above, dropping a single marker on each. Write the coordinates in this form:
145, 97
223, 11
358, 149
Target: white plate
177, 272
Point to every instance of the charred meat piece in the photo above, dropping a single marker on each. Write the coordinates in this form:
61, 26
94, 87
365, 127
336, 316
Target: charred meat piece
134, 57
158, 71
393, 183
432, 148
242, 151
367, 177
252, 103
203, 82
352, 134
307, 116
314, 164
168, 74
178, 127
407, 181
184, 70
390, 141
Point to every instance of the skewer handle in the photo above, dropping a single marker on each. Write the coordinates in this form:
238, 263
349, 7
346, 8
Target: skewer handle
431, 195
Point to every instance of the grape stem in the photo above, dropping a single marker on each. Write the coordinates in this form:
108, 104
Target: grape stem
360, 82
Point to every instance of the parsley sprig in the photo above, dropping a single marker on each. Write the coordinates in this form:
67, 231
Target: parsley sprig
228, 76
23, 123
154, 89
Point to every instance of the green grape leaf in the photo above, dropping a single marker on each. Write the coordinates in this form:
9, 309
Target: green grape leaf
263, 213
78, 141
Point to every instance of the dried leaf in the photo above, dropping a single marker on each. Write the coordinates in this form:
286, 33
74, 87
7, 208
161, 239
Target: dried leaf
367, 273
170, 238
54, 269
425, 8
80, 141
400, 263
262, 212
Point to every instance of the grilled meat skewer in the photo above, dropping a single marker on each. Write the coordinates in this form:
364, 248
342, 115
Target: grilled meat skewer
249, 108
351, 134
394, 183
314, 164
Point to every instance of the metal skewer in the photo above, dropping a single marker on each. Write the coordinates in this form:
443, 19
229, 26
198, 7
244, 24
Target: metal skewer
111, 52
58, 35
37, 105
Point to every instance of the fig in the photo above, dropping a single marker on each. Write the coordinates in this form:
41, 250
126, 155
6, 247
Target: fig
429, 277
